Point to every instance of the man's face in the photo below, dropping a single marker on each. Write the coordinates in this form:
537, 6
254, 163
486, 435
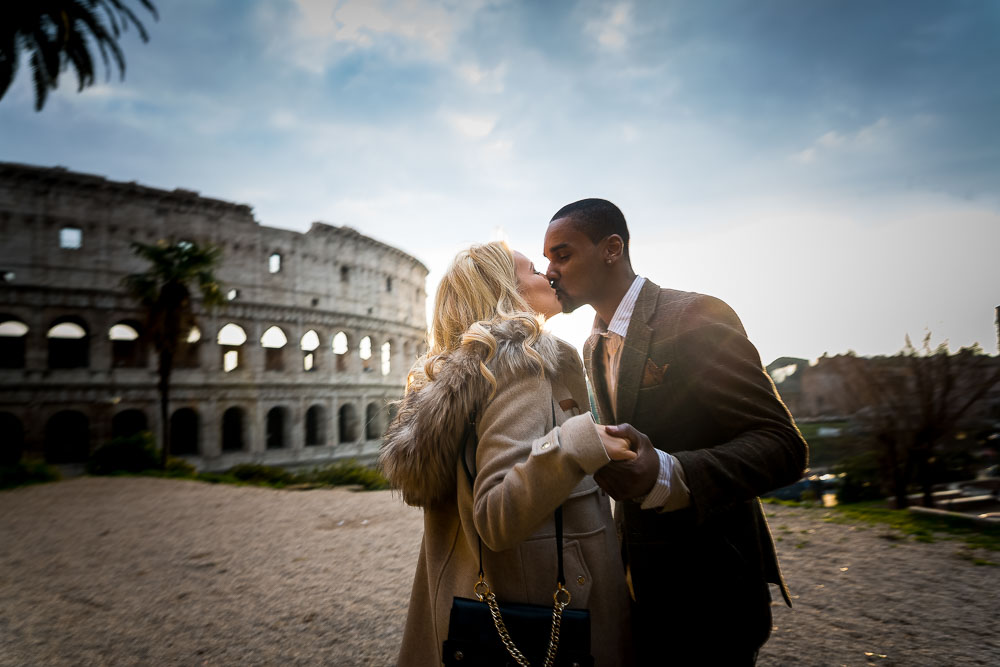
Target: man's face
576, 267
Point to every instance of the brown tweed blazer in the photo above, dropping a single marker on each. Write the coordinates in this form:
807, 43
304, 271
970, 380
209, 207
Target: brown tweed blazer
691, 380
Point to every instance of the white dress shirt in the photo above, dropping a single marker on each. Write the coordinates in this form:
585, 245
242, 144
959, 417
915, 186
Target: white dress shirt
670, 492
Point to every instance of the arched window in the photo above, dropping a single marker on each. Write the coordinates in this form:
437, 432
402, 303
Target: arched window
127, 423
340, 348
127, 350
348, 423
13, 343
188, 352
315, 426
374, 428
67, 437
277, 422
273, 341
365, 354
274, 263
184, 425
386, 358
69, 344
11, 439
233, 422
230, 338
309, 344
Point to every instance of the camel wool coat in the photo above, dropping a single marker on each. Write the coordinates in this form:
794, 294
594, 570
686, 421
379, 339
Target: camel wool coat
524, 469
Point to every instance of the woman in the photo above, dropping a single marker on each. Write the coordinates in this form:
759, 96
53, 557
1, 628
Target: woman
491, 368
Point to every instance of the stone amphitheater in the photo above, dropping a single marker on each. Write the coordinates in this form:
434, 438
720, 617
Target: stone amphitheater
298, 367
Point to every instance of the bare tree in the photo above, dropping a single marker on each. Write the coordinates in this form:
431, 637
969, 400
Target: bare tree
911, 402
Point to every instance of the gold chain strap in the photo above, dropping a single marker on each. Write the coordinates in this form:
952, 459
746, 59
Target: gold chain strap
483, 592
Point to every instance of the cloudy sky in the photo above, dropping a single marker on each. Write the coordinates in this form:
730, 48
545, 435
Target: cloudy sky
831, 169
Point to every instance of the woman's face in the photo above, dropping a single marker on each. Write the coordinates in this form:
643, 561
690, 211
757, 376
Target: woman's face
535, 288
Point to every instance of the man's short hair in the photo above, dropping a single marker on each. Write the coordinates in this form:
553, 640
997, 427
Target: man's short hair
597, 218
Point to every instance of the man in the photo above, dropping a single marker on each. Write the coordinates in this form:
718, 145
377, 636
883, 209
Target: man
676, 371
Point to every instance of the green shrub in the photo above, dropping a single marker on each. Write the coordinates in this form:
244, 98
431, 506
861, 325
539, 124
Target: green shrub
861, 479
180, 468
27, 472
347, 473
255, 473
134, 453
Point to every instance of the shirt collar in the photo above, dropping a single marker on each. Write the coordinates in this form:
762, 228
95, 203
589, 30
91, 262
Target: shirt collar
623, 314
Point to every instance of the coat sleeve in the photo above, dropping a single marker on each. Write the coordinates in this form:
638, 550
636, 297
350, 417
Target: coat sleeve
526, 469
760, 448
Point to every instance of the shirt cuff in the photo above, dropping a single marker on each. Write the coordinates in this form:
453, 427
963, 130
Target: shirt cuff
670, 492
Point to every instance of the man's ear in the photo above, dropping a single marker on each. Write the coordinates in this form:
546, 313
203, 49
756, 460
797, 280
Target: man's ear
613, 248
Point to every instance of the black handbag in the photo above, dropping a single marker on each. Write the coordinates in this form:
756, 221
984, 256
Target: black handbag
485, 633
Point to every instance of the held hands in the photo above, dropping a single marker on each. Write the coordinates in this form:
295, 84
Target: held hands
624, 479
618, 449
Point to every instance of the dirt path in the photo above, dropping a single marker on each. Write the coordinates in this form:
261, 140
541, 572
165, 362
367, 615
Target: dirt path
133, 571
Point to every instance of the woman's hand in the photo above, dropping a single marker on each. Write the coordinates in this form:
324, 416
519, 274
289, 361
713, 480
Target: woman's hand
617, 448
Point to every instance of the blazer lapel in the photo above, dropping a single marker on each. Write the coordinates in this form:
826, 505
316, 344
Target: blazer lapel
635, 351
595, 373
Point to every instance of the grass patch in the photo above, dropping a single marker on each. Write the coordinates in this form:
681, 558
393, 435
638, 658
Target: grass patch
920, 528
25, 473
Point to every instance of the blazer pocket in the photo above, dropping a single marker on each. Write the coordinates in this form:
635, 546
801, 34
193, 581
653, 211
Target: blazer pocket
653, 374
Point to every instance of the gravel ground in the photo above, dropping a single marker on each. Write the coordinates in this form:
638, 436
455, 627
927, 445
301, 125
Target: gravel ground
141, 571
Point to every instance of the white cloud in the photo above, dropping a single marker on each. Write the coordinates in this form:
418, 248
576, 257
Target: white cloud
324, 29
473, 127
612, 30
484, 80
871, 137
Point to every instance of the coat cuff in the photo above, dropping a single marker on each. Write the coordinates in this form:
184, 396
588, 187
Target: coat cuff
578, 437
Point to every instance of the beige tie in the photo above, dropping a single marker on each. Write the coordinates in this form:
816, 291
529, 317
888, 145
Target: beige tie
612, 346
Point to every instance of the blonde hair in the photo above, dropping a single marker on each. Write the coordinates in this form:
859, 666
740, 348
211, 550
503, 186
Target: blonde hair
477, 291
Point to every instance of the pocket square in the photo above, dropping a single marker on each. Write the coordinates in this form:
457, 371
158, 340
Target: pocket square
652, 374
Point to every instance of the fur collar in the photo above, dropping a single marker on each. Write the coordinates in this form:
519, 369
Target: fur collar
421, 448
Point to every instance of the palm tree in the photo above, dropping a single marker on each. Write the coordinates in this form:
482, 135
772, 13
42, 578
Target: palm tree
58, 33
165, 294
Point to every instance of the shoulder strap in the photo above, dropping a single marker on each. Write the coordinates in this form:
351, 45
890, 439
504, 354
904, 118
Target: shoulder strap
471, 434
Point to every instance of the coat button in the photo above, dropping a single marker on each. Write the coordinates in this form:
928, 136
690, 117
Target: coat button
581, 580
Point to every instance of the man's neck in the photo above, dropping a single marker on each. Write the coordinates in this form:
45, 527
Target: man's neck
618, 286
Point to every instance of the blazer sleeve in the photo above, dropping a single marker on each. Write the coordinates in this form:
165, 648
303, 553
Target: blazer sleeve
526, 469
759, 448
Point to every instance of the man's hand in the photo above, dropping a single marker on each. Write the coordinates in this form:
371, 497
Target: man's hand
624, 480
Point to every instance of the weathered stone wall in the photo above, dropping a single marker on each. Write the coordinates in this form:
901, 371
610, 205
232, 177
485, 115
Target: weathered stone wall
331, 279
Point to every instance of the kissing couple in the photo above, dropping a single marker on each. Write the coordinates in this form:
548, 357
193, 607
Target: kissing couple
496, 440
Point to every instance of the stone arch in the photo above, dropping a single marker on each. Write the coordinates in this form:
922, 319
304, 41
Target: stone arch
13, 342
341, 347
189, 350
69, 342
277, 428
184, 431
315, 426
348, 423
385, 357
310, 344
274, 341
67, 437
365, 354
230, 339
128, 347
374, 421
11, 439
128, 422
234, 429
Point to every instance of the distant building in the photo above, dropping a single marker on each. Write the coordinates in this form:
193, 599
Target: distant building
298, 367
